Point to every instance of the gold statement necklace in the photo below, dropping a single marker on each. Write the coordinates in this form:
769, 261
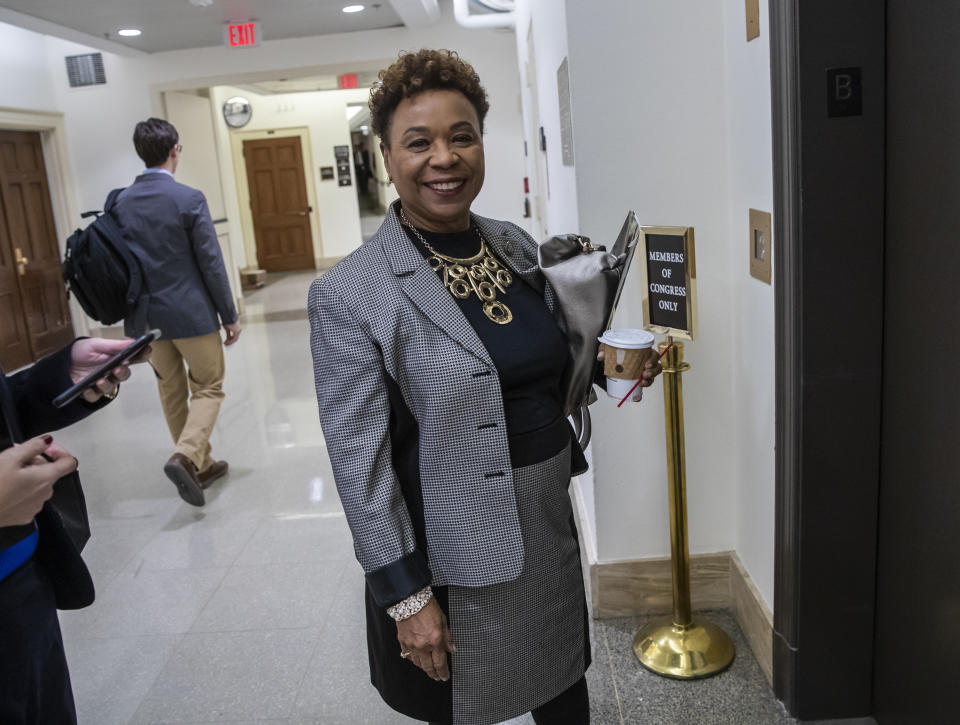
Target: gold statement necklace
481, 274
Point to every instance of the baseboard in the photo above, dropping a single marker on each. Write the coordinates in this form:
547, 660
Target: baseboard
717, 581
753, 615
645, 586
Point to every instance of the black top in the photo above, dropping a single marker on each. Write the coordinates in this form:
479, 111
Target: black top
529, 352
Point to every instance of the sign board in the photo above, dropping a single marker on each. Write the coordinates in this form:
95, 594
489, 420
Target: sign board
669, 281
242, 35
348, 80
342, 155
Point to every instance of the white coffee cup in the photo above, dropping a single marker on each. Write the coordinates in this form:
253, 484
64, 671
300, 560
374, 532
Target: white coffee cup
625, 353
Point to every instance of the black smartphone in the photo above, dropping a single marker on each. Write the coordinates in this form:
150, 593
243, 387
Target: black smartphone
130, 351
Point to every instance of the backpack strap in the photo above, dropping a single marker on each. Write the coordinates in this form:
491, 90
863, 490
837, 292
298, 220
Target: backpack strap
115, 232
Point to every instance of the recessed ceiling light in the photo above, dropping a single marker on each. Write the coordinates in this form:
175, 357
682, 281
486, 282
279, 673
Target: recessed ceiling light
129, 32
353, 8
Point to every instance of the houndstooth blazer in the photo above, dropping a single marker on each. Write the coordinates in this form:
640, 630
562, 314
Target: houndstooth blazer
382, 311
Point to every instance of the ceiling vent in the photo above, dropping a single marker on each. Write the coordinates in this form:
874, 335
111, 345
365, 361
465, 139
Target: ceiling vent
85, 70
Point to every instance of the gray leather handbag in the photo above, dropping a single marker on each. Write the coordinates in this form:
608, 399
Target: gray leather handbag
588, 281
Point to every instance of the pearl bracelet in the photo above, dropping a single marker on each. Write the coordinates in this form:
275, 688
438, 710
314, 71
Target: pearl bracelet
411, 605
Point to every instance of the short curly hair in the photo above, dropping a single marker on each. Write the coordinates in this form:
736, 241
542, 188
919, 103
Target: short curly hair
419, 71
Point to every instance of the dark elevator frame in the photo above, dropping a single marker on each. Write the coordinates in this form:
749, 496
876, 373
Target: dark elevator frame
829, 254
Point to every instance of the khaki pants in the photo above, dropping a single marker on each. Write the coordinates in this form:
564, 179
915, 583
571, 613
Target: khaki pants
190, 423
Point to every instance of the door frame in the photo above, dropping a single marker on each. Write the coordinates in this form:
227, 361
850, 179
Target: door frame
828, 362
56, 159
243, 189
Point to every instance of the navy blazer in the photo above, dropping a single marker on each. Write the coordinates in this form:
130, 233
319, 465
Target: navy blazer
185, 284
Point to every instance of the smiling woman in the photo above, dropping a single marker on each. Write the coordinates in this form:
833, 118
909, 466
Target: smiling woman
435, 158
438, 360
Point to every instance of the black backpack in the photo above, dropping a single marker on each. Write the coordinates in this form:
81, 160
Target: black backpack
99, 269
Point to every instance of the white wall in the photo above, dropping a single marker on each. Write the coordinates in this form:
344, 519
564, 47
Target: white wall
27, 80
750, 178
548, 20
656, 144
671, 119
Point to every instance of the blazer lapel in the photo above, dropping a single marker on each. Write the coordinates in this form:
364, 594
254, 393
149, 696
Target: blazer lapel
424, 288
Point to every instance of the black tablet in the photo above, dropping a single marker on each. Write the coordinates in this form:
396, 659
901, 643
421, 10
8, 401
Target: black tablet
626, 243
130, 351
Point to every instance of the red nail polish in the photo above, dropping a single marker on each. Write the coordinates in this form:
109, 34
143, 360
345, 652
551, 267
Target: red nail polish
48, 439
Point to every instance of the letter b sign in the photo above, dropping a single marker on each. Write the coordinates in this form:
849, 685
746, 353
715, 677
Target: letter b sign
844, 92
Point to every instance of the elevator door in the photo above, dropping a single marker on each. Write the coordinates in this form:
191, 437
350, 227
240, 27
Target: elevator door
918, 575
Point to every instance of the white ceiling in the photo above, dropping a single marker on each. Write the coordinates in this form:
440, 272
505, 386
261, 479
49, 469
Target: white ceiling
177, 24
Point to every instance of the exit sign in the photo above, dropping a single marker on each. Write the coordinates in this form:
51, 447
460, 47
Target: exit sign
242, 35
348, 80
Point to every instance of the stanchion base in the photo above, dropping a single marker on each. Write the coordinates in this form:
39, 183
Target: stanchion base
700, 649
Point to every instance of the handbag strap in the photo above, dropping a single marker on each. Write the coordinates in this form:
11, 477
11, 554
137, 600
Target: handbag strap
9, 410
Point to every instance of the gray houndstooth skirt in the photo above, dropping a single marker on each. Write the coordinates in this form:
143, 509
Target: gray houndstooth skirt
523, 642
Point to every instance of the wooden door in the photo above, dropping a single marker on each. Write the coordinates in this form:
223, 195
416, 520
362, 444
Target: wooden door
34, 315
278, 202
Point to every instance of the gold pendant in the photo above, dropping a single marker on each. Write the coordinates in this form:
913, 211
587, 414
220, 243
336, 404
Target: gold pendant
480, 274
497, 312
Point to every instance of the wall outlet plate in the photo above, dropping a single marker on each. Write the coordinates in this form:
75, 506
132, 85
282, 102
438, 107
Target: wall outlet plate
761, 245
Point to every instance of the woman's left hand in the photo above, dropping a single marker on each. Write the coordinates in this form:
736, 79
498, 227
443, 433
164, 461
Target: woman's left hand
651, 369
90, 353
425, 638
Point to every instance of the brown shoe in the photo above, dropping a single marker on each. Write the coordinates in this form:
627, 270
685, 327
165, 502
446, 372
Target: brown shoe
214, 471
183, 473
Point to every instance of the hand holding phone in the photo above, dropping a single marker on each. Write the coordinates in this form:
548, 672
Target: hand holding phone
99, 365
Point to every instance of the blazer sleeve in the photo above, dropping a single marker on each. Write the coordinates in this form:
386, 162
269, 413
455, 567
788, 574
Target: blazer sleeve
355, 417
206, 250
34, 389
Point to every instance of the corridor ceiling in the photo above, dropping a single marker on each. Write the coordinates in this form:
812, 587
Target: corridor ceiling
178, 24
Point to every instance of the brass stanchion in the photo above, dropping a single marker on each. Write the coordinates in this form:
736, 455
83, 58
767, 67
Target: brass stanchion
680, 647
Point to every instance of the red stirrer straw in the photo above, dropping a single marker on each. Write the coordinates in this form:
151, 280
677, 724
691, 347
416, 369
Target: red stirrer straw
641, 379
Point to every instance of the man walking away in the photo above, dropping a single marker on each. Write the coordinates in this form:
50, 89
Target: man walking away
187, 295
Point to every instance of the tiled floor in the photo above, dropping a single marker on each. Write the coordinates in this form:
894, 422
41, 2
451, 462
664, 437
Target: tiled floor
250, 609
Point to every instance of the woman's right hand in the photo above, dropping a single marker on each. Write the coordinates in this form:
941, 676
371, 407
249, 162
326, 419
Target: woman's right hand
26, 478
426, 636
